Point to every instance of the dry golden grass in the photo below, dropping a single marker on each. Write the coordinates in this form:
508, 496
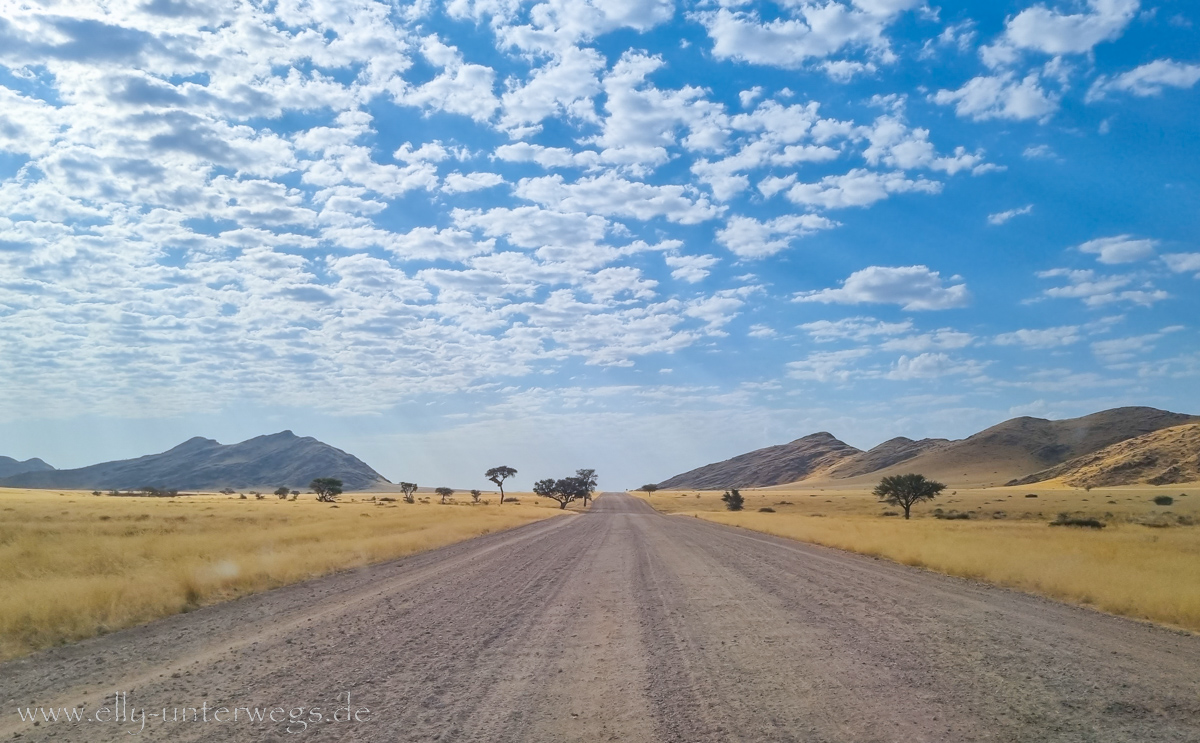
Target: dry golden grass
73, 565
1127, 568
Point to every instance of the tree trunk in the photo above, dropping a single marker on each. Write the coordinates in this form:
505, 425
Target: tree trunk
907, 507
501, 494
562, 504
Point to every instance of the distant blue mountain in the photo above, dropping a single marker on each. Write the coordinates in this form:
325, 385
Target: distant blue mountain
204, 464
10, 466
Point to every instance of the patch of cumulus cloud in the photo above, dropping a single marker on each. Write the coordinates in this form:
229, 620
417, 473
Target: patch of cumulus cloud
1042, 53
910, 287
216, 202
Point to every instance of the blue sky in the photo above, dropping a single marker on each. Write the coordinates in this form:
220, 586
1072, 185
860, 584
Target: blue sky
635, 235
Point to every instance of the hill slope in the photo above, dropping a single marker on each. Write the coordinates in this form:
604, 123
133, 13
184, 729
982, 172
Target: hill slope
890, 452
773, 465
1019, 447
10, 466
1003, 453
1164, 457
203, 464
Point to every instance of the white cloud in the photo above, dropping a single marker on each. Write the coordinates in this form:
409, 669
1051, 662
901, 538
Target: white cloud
859, 187
461, 88
1119, 350
814, 32
896, 145
1038, 152
565, 86
691, 268
911, 287
1063, 335
1046, 30
749, 238
717, 310
611, 195
1000, 96
1096, 291
615, 282
931, 366
761, 331
1147, 80
547, 157
1183, 262
945, 338
1119, 249
748, 97
827, 366
559, 24
532, 227
1001, 217
853, 328
459, 183
644, 120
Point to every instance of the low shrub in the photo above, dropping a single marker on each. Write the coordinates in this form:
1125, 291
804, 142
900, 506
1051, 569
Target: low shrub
953, 516
1031, 495
766, 509
1067, 520
890, 513
1163, 500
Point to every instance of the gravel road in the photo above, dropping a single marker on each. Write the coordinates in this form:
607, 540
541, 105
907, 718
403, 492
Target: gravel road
620, 624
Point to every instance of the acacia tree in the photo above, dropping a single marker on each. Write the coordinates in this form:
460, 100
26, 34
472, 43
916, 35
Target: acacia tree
476, 495
498, 475
282, 492
733, 499
649, 488
905, 490
564, 491
326, 488
444, 493
408, 488
587, 479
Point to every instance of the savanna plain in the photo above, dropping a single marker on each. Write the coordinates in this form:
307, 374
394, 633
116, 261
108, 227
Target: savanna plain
1144, 563
74, 565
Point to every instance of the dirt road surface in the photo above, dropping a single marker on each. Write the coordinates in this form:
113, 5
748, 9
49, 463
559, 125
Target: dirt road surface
620, 624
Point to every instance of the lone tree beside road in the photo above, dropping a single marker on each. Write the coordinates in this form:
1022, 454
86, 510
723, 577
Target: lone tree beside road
408, 488
648, 488
326, 488
564, 491
905, 490
733, 499
587, 479
498, 475
445, 493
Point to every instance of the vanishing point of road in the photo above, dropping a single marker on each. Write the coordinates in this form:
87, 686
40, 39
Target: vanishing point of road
621, 624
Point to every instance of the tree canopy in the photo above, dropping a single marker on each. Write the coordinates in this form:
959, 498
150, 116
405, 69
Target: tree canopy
498, 475
733, 499
326, 488
905, 490
564, 491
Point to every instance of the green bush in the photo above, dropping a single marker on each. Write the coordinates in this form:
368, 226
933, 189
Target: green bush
1163, 500
733, 499
1065, 519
